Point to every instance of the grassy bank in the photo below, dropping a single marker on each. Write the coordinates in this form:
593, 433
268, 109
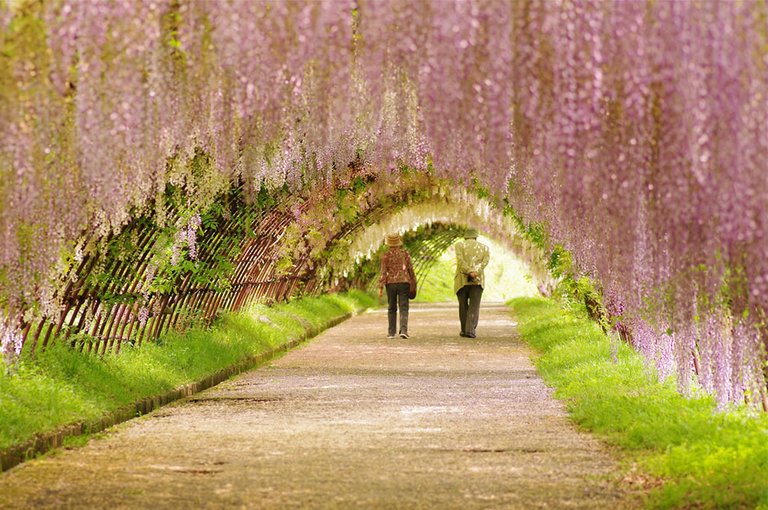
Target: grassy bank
64, 386
705, 458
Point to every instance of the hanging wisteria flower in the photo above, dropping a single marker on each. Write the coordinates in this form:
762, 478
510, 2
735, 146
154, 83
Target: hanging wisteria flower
11, 343
143, 316
191, 234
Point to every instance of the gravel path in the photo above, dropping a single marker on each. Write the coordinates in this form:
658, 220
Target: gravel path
350, 420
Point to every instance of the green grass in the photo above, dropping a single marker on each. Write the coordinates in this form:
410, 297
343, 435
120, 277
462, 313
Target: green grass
64, 386
706, 458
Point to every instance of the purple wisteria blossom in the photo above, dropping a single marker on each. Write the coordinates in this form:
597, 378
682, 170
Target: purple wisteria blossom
11, 343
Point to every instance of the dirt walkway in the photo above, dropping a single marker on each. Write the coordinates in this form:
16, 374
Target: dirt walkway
351, 420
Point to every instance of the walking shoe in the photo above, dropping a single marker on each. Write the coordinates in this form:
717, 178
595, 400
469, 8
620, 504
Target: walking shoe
463, 334
390, 336
404, 335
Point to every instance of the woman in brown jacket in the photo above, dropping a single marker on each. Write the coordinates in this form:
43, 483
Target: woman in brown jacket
396, 271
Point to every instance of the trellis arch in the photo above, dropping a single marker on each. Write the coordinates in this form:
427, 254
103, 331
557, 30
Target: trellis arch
452, 211
116, 293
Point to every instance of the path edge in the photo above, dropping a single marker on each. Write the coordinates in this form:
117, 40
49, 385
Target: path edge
48, 441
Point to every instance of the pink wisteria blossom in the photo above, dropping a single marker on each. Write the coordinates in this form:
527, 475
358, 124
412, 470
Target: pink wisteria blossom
11, 343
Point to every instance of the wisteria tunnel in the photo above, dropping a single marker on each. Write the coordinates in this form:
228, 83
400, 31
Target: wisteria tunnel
264, 251
165, 161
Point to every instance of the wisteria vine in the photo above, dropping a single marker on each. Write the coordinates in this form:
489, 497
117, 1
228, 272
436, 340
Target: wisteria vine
636, 131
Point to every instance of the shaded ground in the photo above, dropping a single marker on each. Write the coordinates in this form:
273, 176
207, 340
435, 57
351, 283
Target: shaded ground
350, 420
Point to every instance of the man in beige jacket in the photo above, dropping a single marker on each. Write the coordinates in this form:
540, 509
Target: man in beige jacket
471, 259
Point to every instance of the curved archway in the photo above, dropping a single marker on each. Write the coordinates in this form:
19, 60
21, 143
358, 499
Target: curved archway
452, 208
136, 284
431, 248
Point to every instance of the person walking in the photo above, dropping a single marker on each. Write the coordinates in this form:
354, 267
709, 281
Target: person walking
471, 259
396, 271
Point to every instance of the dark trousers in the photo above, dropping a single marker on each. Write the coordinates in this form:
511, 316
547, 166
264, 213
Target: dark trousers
397, 293
469, 307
